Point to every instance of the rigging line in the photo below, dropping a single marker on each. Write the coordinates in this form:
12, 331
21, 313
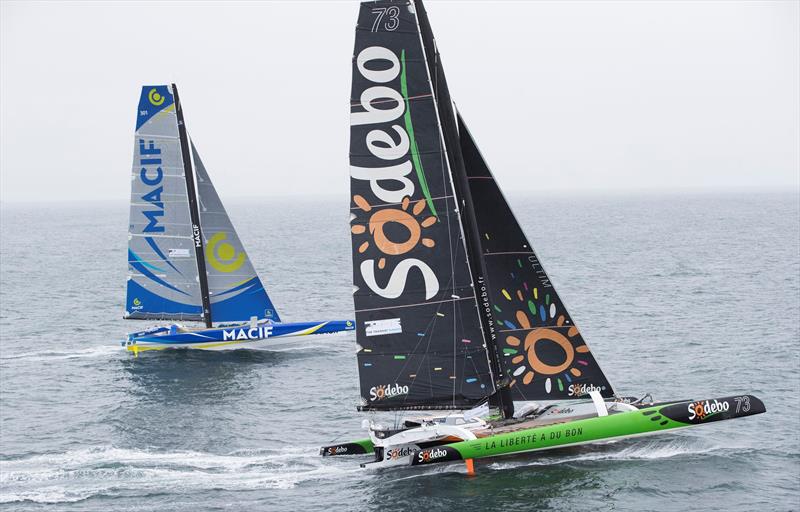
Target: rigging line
452, 299
551, 327
421, 359
358, 103
395, 204
156, 137
428, 328
149, 235
508, 253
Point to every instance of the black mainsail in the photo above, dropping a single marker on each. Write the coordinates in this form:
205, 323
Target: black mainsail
430, 227
418, 330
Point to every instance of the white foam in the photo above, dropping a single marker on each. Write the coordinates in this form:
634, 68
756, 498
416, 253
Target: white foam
96, 351
654, 449
77, 475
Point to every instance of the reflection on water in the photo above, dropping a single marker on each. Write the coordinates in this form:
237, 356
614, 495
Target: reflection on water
169, 393
171, 375
537, 487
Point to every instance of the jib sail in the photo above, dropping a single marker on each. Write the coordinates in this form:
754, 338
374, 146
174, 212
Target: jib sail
418, 330
234, 288
542, 349
163, 279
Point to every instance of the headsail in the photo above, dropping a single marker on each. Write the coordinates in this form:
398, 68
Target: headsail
419, 335
543, 351
163, 280
234, 287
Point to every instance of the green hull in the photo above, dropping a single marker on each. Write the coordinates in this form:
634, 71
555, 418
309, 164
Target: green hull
642, 422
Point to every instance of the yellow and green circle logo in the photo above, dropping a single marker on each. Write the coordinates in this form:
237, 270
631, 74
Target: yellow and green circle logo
222, 256
155, 98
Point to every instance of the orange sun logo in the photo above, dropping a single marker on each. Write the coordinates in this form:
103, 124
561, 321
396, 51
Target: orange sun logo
381, 218
700, 411
531, 364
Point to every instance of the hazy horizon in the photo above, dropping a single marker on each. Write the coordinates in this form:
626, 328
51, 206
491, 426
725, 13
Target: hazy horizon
562, 97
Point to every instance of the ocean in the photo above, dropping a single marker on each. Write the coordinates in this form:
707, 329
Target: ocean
682, 296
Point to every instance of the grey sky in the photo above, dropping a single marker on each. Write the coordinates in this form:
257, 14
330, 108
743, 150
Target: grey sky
562, 96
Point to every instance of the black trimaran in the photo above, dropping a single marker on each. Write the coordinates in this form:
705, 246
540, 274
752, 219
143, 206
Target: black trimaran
453, 308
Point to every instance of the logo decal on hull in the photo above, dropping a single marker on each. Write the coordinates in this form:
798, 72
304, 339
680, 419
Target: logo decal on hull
431, 454
397, 453
706, 409
337, 450
253, 333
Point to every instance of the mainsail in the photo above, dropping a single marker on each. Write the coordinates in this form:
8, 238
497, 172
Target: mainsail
418, 330
417, 175
163, 280
184, 255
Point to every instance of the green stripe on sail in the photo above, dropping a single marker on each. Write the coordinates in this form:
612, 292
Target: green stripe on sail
410, 129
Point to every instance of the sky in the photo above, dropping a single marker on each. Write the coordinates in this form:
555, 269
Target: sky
569, 97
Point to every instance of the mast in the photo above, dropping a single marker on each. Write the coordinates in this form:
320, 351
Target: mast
502, 397
193, 210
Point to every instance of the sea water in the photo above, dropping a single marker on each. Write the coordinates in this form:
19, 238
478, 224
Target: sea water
683, 296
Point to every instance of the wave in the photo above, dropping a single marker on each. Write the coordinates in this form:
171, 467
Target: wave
97, 351
81, 474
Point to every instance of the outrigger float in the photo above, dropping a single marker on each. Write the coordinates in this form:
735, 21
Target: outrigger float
454, 310
185, 259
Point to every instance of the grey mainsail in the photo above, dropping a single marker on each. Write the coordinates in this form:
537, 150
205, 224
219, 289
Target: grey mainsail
163, 279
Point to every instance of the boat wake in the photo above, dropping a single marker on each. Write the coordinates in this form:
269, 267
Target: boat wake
81, 474
87, 353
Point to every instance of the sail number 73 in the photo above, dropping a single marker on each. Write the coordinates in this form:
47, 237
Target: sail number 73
390, 16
